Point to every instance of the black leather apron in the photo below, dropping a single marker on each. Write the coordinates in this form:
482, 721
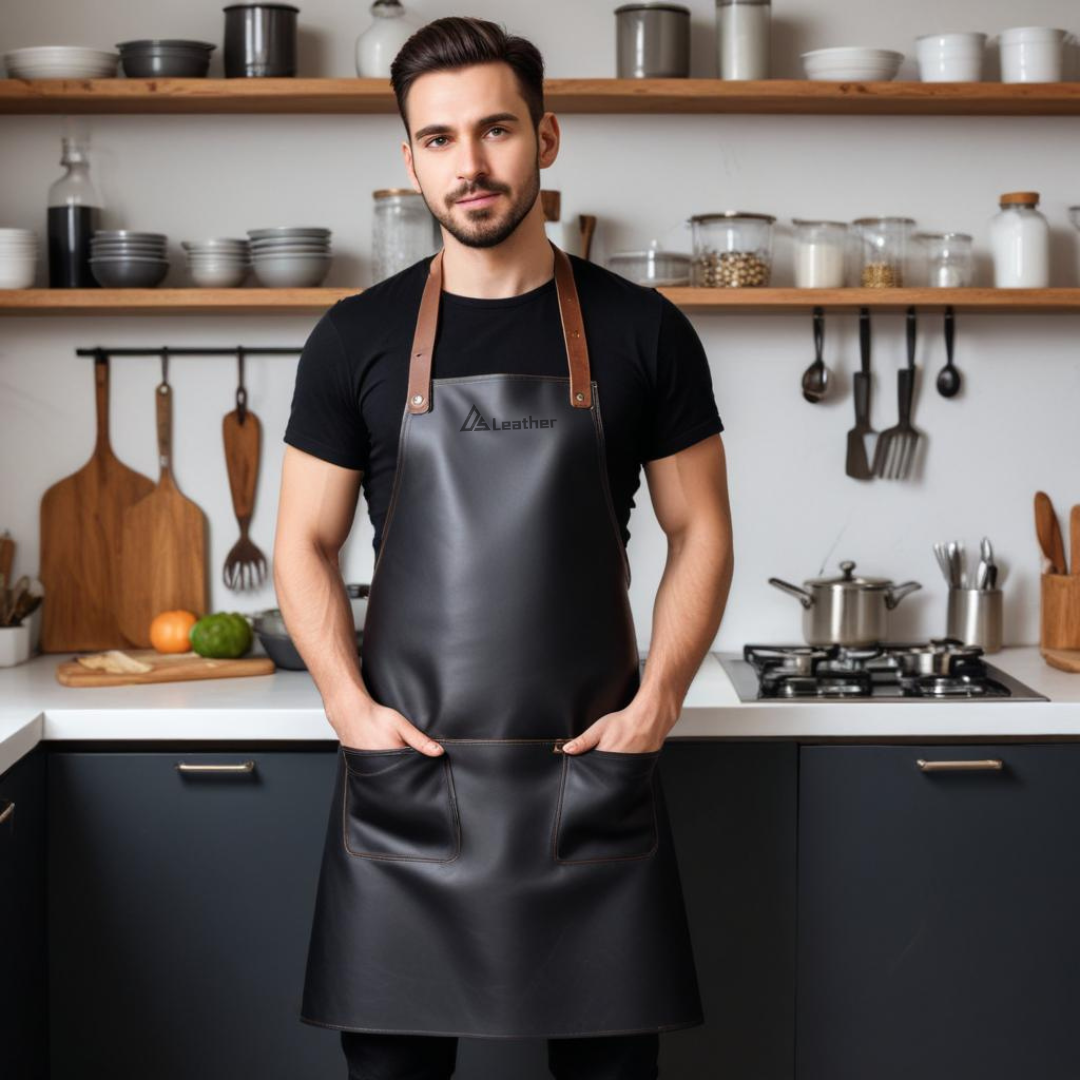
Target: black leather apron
502, 889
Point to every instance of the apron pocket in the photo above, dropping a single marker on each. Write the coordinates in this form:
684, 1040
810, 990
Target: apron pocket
400, 804
607, 807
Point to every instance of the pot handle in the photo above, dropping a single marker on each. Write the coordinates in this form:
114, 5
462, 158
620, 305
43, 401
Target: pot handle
801, 595
896, 593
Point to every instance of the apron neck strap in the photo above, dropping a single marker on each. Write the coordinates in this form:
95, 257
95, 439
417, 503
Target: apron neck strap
577, 352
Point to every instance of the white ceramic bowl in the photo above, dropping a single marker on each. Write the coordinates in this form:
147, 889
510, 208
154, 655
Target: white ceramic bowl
1031, 54
953, 57
852, 63
17, 275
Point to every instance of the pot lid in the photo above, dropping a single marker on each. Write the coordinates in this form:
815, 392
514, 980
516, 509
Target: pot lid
849, 579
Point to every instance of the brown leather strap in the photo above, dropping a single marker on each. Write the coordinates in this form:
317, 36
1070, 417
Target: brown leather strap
577, 351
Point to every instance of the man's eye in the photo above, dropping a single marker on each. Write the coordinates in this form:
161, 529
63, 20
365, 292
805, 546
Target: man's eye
497, 128
431, 141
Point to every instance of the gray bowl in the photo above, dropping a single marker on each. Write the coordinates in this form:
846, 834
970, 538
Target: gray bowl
270, 630
129, 273
165, 58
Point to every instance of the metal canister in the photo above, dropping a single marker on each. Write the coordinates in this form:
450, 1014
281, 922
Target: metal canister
260, 40
652, 41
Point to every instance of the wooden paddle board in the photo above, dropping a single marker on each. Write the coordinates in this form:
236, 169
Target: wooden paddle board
167, 667
162, 546
81, 521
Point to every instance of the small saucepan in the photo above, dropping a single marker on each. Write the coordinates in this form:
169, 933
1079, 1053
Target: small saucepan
847, 610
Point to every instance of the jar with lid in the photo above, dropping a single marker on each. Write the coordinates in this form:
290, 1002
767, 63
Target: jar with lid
742, 38
882, 243
1020, 242
652, 267
948, 259
820, 250
732, 249
652, 40
404, 231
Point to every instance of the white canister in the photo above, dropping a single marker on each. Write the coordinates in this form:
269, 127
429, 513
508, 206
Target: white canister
1031, 54
14, 645
1020, 243
956, 57
377, 46
742, 38
819, 253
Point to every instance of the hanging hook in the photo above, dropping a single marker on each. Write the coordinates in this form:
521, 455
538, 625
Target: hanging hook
241, 391
165, 365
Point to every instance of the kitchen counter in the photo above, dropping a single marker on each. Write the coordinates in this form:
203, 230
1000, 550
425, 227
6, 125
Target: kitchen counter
287, 706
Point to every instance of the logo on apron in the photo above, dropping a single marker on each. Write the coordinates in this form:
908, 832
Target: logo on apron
475, 422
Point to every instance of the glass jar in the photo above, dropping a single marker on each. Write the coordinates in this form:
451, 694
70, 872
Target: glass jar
1020, 242
948, 259
654, 268
732, 249
742, 38
404, 231
882, 250
820, 250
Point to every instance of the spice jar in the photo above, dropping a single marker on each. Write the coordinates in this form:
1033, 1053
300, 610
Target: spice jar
1020, 242
882, 250
653, 267
948, 259
732, 249
820, 249
404, 231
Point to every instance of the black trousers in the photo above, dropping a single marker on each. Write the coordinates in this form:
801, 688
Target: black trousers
433, 1057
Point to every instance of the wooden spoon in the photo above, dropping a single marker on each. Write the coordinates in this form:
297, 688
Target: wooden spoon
1049, 532
1074, 539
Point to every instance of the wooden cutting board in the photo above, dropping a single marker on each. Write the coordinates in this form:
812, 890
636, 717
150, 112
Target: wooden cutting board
168, 667
81, 521
1063, 659
162, 565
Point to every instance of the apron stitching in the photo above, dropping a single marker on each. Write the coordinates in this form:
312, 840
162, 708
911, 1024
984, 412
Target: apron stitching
455, 820
399, 469
673, 1025
605, 481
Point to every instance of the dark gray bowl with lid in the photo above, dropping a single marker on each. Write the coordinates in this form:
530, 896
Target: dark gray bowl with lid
178, 58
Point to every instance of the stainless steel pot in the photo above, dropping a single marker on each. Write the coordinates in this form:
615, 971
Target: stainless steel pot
847, 610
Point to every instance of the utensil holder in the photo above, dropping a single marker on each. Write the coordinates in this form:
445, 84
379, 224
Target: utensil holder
975, 617
1060, 611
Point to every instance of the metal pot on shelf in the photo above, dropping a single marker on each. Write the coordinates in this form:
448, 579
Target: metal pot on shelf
847, 610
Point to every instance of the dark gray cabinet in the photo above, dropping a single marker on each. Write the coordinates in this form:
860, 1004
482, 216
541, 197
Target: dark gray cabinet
23, 1045
179, 907
937, 927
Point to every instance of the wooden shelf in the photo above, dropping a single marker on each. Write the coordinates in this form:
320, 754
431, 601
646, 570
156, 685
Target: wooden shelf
638, 96
749, 301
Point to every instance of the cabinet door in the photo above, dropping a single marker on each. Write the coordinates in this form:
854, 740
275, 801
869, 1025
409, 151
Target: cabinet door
180, 906
937, 930
23, 1047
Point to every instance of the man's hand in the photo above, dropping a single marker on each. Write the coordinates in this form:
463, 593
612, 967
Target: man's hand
640, 728
363, 724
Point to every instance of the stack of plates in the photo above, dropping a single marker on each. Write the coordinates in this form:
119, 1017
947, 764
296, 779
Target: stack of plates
60, 62
125, 258
220, 263
852, 63
290, 257
18, 258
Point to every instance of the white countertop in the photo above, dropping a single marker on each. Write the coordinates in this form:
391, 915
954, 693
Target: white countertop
287, 706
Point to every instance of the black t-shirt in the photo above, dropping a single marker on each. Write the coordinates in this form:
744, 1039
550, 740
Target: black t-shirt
649, 365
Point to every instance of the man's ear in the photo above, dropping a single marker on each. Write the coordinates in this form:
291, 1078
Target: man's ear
406, 153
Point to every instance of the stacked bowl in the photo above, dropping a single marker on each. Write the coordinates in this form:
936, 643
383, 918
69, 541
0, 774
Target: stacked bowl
290, 257
218, 263
127, 259
60, 62
853, 63
18, 258
151, 58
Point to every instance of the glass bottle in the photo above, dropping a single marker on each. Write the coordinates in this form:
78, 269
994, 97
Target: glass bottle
1020, 243
74, 213
742, 38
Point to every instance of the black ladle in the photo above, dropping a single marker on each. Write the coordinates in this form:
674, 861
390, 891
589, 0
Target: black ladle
815, 378
948, 380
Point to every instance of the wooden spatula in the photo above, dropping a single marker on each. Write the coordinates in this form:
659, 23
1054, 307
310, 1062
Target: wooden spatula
163, 546
81, 519
1049, 532
1074, 539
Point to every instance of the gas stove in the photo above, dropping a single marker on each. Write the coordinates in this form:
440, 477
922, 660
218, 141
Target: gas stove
942, 669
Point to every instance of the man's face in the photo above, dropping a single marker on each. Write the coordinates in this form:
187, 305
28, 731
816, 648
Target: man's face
474, 154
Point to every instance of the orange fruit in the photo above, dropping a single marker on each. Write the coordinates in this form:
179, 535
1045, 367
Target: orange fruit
169, 631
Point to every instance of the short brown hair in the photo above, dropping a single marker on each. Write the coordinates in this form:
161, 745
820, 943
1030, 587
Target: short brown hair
459, 41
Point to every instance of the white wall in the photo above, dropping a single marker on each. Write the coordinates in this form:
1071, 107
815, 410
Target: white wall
1011, 431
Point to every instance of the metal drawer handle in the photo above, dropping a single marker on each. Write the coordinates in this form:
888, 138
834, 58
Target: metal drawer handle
978, 765
243, 766
7, 812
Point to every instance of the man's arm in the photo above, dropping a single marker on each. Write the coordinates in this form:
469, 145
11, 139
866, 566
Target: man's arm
689, 492
315, 514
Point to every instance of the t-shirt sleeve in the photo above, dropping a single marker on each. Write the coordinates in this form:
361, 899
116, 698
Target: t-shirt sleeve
325, 417
683, 408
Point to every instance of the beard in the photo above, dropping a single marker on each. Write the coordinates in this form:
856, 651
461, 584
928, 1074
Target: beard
487, 226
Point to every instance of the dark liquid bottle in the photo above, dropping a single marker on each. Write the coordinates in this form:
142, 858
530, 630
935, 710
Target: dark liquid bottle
70, 229
74, 214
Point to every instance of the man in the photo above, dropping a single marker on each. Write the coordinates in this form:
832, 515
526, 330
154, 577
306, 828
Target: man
498, 859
